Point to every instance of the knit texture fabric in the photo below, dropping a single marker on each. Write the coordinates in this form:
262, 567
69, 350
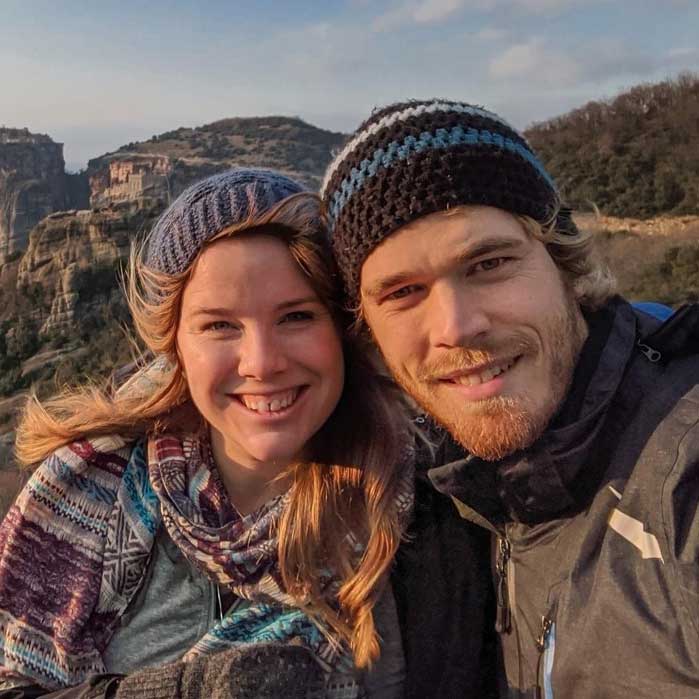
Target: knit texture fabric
209, 206
412, 159
264, 671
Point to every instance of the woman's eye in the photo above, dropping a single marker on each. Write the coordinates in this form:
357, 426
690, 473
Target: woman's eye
297, 316
219, 326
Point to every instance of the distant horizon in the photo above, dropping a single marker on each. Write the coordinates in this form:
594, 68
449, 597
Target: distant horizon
95, 77
76, 167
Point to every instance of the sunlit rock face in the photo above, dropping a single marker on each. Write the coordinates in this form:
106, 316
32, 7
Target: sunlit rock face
66, 245
32, 186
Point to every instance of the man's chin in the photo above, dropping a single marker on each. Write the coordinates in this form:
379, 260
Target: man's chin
491, 430
493, 438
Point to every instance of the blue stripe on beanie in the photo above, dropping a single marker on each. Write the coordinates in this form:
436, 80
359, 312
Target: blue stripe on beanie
441, 138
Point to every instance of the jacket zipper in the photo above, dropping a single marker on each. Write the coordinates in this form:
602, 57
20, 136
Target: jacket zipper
503, 622
542, 645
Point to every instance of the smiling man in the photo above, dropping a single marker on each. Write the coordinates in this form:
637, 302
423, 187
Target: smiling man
575, 419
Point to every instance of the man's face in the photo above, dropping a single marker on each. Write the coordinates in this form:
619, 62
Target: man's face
475, 322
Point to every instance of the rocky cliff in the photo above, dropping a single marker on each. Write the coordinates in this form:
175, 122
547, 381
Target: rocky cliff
67, 248
32, 185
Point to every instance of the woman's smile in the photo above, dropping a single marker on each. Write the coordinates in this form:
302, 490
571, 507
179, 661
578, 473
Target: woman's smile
276, 404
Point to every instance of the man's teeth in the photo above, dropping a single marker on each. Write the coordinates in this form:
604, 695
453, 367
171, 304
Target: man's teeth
486, 375
271, 403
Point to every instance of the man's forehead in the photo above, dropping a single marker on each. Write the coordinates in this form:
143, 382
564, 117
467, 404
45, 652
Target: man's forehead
443, 238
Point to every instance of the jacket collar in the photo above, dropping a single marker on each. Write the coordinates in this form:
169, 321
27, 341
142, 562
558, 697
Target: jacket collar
559, 473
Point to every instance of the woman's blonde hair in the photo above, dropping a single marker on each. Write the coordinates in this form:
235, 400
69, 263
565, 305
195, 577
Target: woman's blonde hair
349, 489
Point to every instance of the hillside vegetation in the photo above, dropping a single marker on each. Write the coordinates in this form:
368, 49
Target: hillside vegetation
635, 155
284, 143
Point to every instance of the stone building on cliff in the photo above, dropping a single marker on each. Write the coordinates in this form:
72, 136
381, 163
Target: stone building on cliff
131, 176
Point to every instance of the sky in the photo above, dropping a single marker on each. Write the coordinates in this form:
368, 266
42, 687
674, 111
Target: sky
97, 75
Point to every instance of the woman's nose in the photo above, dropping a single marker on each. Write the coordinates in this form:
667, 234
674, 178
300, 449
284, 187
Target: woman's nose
261, 355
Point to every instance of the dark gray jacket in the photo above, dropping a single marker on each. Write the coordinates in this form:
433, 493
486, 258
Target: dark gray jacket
596, 526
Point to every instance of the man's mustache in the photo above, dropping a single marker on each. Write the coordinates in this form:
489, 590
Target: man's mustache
465, 359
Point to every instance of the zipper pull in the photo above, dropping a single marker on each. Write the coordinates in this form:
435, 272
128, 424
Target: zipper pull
543, 637
651, 354
541, 644
503, 620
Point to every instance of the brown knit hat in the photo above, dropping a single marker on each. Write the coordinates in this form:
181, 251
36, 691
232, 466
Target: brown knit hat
412, 159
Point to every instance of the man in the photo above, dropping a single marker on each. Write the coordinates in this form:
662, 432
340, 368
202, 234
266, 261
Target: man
581, 438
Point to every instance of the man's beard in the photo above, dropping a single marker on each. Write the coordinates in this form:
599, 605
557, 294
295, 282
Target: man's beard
493, 428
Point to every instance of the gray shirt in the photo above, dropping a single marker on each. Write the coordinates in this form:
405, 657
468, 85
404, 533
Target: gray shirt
177, 605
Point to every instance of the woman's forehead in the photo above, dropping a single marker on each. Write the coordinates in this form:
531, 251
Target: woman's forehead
257, 271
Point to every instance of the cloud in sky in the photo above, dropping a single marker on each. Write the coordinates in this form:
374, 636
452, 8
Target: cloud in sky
490, 34
406, 12
98, 76
538, 63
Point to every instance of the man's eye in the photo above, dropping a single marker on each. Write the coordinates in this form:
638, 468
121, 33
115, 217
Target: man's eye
490, 264
402, 293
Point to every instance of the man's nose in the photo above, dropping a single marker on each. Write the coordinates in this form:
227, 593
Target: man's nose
261, 354
456, 318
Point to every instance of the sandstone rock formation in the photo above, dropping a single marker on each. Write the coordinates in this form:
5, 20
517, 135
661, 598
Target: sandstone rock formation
68, 248
62, 314
32, 185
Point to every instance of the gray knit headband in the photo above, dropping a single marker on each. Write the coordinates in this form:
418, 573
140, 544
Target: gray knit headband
209, 206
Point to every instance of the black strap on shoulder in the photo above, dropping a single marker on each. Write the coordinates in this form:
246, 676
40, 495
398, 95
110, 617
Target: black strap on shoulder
678, 336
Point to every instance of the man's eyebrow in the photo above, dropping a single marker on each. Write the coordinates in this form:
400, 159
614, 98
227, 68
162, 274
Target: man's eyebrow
466, 255
486, 247
381, 286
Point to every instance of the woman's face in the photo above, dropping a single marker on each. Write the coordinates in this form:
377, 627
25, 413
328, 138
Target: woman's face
261, 354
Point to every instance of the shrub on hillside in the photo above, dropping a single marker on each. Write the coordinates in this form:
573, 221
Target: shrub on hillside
636, 155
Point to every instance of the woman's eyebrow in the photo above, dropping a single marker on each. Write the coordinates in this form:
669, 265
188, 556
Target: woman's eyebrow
205, 311
222, 311
297, 302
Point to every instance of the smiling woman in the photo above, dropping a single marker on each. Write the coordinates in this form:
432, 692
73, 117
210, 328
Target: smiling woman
226, 506
263, 359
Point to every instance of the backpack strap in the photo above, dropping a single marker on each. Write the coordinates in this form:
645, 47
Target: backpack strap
677, 337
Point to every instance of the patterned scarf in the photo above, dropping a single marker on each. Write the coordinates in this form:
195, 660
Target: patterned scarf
75, 547
238, 553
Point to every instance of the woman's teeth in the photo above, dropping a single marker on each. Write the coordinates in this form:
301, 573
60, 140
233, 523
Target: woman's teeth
486, 375
271, 403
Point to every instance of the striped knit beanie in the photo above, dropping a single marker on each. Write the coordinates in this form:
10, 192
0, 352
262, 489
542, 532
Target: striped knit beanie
209, 206
416, 158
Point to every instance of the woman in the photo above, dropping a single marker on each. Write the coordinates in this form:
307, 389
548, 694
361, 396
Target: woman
241, 513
